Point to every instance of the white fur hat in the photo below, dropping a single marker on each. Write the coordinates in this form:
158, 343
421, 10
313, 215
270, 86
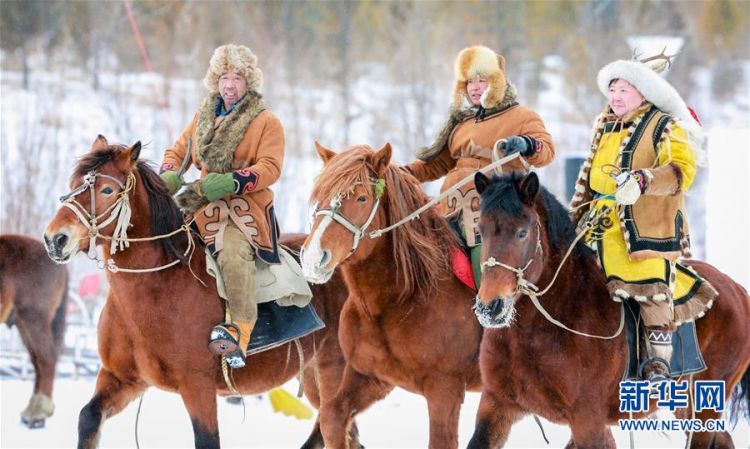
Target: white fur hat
480, 60
233, 58
655, 90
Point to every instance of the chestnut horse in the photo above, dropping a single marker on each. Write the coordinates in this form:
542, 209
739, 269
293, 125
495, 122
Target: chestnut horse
407, 321
154, 327
533, 366
34, 297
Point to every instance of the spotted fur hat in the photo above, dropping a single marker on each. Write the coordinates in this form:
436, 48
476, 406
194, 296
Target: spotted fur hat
480, 60
234, 58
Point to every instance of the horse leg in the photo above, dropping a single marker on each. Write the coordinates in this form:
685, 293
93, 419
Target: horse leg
706, 440
43, 355
590, 433
495, 416
199, 398
322, 379
356, 393
444, 397
110, 397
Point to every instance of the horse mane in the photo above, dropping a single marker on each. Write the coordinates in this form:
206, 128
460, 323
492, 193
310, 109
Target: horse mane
165, 215
421, 248
503, 196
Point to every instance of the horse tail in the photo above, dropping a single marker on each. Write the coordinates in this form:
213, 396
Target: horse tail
741, 399
58, 322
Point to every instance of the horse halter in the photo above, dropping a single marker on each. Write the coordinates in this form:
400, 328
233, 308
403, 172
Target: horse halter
119, 210
358, 231
522, 285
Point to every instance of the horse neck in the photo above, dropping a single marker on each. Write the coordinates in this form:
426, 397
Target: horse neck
374, 281
147, 254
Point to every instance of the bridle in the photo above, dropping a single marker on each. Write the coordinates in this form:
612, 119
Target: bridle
359, 232
120, 212
527, 288
523, 286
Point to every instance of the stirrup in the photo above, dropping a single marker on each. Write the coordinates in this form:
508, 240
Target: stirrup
655, 370
223, 343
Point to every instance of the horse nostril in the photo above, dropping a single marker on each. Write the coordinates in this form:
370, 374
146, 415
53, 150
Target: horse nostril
60, 240
325, 258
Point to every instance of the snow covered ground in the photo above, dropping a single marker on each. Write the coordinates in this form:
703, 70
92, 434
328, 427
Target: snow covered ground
400, 421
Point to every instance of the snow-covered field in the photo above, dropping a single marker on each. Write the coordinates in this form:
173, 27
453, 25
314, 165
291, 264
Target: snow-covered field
400, 421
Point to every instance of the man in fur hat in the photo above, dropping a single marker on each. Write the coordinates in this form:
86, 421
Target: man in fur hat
643, 158
484, 110
238, 146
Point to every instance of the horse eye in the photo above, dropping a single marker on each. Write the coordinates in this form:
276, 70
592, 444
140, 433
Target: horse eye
522, 234
361, 199
107, 190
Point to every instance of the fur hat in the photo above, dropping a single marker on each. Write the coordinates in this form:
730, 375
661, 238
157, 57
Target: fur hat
234, 58
655, 89
480, 60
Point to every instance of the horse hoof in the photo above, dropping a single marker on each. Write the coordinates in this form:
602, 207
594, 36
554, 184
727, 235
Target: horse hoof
33, 423
234, 399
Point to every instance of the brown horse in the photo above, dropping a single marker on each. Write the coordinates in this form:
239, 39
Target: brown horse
408, 321
34, 296
154, 327
532, 366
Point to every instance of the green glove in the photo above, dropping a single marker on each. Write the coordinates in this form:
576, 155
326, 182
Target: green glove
173, 180
218, 185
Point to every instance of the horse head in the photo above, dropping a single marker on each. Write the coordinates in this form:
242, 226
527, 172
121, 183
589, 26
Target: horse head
512, 252
101, 180
348, 195
109, 186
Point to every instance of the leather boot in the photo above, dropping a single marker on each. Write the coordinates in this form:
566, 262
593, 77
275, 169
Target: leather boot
231, 340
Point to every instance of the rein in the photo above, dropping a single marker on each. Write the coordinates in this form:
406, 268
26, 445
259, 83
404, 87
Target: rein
121, 212
360, 232
524, 287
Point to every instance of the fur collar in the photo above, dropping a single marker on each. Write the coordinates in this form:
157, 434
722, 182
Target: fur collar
215, 147
459, 113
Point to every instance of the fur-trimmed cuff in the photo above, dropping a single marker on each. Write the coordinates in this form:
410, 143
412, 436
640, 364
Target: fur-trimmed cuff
246, 180
667, 180
191, 198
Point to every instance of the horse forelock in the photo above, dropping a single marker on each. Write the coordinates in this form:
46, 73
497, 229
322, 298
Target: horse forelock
421, 248
502, 196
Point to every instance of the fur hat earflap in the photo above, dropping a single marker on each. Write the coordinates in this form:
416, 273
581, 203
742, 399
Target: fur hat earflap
234, 58
482, 61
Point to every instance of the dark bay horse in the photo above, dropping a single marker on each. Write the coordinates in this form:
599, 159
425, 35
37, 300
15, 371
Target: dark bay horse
532, 366
34, 297
154, 327
408, 321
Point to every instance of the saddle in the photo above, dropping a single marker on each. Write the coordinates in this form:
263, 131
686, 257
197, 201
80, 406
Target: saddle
285, 312
686, 358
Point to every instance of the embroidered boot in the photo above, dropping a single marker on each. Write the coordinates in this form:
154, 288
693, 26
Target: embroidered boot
656, 368
231, 340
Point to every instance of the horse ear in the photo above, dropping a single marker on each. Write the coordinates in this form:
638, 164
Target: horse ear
100, 143
382, 158
481, 182
324, 153
528, 188
135, 151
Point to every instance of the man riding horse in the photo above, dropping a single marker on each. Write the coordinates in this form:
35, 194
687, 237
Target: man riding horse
484, 110
239, 147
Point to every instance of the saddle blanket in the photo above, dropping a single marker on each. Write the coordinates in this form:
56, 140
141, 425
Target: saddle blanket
686, 358
277, 325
